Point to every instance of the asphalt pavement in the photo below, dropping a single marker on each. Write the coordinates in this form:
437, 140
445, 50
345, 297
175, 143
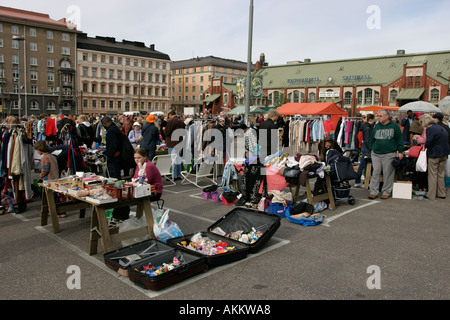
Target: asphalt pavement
373, 250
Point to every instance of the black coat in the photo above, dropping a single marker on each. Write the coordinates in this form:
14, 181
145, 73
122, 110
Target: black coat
150, 136
437, 142
112, 141
267, 126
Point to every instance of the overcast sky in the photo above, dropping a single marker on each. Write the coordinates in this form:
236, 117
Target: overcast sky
284, 30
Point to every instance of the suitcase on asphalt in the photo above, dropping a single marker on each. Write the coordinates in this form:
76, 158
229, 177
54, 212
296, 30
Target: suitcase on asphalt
239, 252
154, 253
247, 220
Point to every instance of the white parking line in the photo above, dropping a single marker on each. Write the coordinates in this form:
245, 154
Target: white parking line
150, 293
328, 220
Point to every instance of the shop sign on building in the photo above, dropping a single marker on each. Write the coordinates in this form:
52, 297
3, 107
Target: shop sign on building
329, 94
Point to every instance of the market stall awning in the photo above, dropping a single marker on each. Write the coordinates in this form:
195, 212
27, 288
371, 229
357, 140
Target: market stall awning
241, 110
376, 108
212, 98
326, 108
330, 108
410, 94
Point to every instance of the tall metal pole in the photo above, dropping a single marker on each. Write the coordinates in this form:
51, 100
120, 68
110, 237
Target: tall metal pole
248, 82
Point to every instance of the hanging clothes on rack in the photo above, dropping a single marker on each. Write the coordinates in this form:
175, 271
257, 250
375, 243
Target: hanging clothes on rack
16, 168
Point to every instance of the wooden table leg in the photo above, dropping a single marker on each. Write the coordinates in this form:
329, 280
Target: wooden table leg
94, 236
149, 216
49, 194
103, 227
44, 209
330, 192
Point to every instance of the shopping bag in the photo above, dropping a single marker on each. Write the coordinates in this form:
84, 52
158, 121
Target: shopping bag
421, 163
166, 229
414, 151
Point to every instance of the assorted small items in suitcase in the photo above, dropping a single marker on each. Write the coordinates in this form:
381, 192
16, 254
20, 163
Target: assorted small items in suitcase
154, 265
249, 227
214, 248
207, 246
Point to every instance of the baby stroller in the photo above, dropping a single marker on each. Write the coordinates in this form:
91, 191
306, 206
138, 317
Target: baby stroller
341, 172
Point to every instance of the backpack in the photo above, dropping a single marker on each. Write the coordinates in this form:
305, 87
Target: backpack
126, 152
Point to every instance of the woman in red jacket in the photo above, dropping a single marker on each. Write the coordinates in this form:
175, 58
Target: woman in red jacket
147, 172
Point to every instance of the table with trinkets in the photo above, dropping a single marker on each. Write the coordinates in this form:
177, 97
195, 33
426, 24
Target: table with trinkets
110, 237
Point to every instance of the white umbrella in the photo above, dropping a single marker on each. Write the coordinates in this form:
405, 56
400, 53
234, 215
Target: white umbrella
420, 106
444, 105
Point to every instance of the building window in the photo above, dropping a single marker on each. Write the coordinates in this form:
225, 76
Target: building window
50, 76
348, 98
15, 44
49, 34
33, 61
65, 64
360, 98
376, 97
434, 96
65, 37
15, 29
65, 51
296, 96
33, 46
368, 96
50, 48
393, 96
34, 105
51, 105
312, 97
33, 75
50, 63
67, 106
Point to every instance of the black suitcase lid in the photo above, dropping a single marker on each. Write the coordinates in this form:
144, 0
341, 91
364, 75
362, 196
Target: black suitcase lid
128, 256
260, 226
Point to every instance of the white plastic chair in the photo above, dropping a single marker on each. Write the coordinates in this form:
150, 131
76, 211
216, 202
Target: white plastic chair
204, 170
164, 165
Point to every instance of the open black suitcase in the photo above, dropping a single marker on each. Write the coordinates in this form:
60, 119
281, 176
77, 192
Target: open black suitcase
156, 253
240, 251
246, 219
236, 220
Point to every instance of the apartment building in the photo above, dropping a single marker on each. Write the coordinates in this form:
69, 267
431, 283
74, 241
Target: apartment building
118, 76
37, 63
191, 78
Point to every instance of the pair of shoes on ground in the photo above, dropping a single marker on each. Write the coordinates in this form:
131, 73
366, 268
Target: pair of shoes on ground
384, 196
113, 223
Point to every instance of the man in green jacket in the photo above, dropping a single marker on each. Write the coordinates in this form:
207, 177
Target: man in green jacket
386, 143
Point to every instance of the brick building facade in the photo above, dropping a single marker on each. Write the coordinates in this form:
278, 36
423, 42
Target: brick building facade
37, 63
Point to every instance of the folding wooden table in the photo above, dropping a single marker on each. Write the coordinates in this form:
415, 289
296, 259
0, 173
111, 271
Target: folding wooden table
99, 224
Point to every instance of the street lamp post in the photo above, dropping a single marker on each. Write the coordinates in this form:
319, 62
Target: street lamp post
17, 38
248, 89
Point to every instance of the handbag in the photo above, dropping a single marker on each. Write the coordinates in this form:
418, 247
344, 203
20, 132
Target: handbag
414, 151
421, 163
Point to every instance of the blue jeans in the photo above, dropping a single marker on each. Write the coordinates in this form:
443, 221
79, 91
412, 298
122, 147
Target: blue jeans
176, 167
362, 163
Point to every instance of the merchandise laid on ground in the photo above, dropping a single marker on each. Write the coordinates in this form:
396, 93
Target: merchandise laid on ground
154, 265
